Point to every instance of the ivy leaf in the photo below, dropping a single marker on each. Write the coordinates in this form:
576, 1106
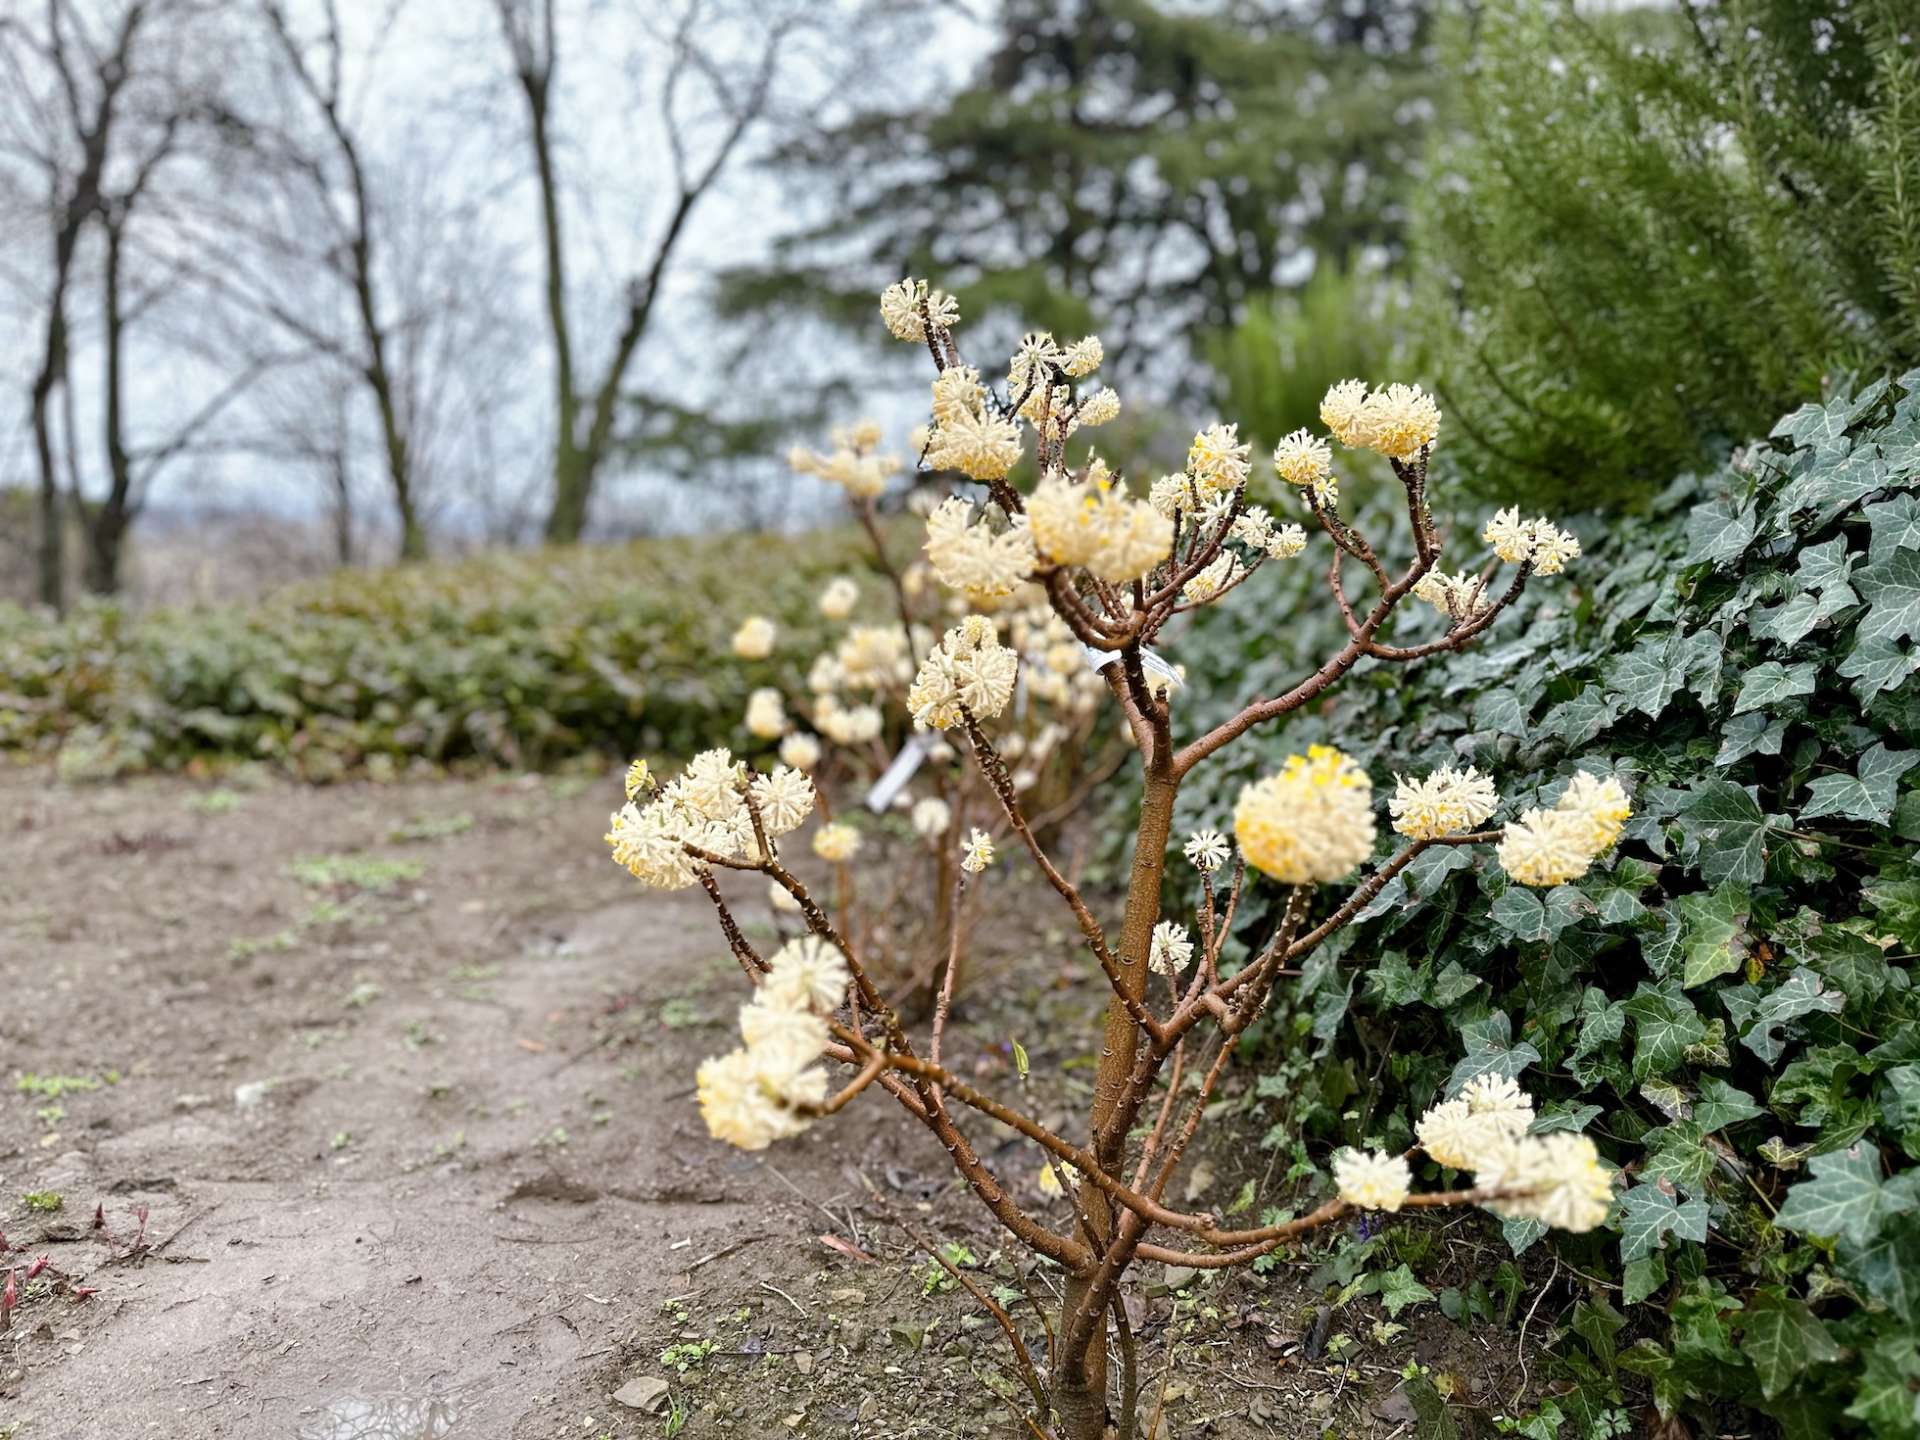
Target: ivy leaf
1886, 1399
1843, 1199
1643, 1277
1821, 567
1580, 719
1715, 942
1731, 832
1876, 665
1771, 682
1398, 1289
1648, 1215
1892, 588
1646, 677
1894, 525
1868, 794
1500, 712
1782, 1337
1680, 1156
1802, 993
1520, 913
1665, 1023
1750, 734
1491, 1051
1889, 1268
1719, 531
1721, 1105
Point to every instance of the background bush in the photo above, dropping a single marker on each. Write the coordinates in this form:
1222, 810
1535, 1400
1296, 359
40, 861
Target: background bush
517, 659
1728, 1005
1655, 230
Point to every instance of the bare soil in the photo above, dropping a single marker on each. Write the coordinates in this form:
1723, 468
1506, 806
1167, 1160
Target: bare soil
400, 1079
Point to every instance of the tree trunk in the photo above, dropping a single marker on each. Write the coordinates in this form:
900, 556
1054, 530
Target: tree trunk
51, 552
573, 470
1080, 1410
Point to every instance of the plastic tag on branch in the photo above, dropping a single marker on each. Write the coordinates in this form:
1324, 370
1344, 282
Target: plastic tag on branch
887, 788
1150, 662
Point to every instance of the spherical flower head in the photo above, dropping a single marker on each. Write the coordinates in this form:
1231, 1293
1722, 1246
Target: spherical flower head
754, 639
839, 598
1037, 355
1372, 1180
978, 445
806, 974
1498, 1095
970, 668
1343, 412
766, 716
860, 435
1083, 357
931, 817
1100, 408
639, 777
1171, 950
836, 843
802, 752
1458, 597
1173, 495
711, 784
957, 393
1449, 1135
900, 306
1303, 459
977, 854
1206, 851
968, 555
1212, 580
1217, 459
1400, 421
855, 725
1552, 547
1544, 848
1601, 804
872, 657
1562, 1180
785, 1038
1311, 823
784, 799
1287, 541
1096, 524
738, 1108
1510, 536
1447, 802
650, 844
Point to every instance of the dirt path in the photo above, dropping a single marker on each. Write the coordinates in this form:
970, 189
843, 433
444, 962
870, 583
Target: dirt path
401, 1077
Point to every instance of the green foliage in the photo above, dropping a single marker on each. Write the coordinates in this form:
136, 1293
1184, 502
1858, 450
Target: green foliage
1727, 1003
505, 659
1660, 228
1112, 162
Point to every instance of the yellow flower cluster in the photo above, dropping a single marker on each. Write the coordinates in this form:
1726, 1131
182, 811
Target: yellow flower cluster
977, 853
1312, 823
1447, 802
1466, 1132
1217, 460
978, 445
968, 555
754, 639
900, 307
1372, 1180
970, 668
763, 1091
851, 464
839, 597
705, 807
1304, 459
1398, 422
1565, 1183
836, 843
766, 716
1553, 847
1458, 597
1096, 524
1538, 542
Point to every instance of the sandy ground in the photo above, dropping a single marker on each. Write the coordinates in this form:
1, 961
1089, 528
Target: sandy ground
400, 1079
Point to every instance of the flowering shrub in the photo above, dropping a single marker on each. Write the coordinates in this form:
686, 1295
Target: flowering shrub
1728, 1008
1116, 568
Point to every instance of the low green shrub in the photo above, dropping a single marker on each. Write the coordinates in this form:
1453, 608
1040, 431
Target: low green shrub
518, 659
1729, 1006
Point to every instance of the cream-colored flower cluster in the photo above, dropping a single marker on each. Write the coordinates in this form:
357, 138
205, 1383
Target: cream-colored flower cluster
1311, 823
851, 463
978, 444
846, 725
1206, 851
1537, 542
1372, 1179
1488, 1114
839, 597
931, 817
977, 854
766, 714
1256, 528
1458, 597
1218, 460
969, 555
836, 843
1398, 422
901, 310
969, 668
1036, 377
1305, 460
1095, 523
1171, 950
1213, 580
704, 807
1447, 802
1553, 847
754, 639
763, 1091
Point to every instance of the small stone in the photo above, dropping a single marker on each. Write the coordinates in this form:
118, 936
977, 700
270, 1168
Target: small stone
803, 1362
647, 1393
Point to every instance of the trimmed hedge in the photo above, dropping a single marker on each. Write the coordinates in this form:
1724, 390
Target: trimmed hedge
517, 659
